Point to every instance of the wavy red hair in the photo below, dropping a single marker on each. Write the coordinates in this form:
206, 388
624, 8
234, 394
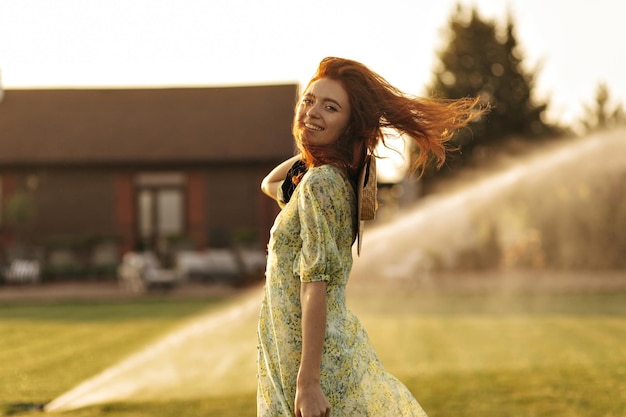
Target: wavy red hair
377, 105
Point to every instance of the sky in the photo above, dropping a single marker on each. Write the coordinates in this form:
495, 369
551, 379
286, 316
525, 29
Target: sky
164, 43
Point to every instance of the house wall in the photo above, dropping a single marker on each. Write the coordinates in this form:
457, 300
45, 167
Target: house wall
237, 207
7, 190
223, 204
73, 203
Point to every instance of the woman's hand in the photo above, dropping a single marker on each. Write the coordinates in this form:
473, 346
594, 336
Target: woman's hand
311, 401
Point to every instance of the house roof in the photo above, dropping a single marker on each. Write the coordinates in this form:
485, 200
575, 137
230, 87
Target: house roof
168, 125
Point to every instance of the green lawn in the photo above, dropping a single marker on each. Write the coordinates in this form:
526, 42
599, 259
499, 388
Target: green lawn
478, 355
48, 348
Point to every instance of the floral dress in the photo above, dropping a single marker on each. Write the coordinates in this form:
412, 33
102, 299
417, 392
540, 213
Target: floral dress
311, 240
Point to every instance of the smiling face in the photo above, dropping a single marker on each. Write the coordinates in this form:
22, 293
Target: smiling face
323, 113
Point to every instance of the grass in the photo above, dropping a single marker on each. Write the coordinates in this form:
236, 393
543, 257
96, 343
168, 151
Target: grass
48, 348
469, 355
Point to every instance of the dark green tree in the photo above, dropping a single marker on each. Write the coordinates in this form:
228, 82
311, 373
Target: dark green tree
481, 60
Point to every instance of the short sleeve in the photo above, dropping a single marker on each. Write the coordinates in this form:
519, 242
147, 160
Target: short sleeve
319, 202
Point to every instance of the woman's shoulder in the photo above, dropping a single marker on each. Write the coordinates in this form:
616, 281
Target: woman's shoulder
324, 171
327, 180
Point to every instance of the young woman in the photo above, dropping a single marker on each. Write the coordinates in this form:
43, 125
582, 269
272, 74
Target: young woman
314, 357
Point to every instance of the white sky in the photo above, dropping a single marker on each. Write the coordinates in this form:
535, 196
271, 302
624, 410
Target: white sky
77, 43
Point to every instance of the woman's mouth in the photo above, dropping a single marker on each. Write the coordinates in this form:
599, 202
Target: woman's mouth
313, 127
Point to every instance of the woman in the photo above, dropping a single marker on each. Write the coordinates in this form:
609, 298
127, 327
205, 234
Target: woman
314, 355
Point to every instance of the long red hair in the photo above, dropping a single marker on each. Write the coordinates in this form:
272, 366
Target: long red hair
377, 105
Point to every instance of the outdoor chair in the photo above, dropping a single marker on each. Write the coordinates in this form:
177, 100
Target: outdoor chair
23, 271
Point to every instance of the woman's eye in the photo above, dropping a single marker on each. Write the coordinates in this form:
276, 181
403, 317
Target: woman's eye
307, 100
331, 108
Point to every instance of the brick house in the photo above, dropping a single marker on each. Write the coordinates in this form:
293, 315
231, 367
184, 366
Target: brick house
146, 166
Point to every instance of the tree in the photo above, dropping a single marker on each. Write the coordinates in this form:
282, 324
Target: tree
480, 60
602, 114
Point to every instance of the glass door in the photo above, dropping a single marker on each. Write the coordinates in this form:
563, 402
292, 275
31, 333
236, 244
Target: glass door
160, 213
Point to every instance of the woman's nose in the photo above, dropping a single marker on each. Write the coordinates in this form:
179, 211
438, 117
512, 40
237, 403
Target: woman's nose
313, 111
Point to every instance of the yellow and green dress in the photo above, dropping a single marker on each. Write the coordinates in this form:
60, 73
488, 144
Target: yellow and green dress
311, 240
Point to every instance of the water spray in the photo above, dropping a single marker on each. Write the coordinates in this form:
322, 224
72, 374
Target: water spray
212, 355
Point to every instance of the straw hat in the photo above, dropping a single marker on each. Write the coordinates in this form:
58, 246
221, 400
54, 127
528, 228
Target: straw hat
367, 201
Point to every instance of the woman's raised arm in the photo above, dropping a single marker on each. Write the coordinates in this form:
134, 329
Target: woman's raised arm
271, 182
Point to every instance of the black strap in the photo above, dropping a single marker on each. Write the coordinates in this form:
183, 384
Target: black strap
298, 168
